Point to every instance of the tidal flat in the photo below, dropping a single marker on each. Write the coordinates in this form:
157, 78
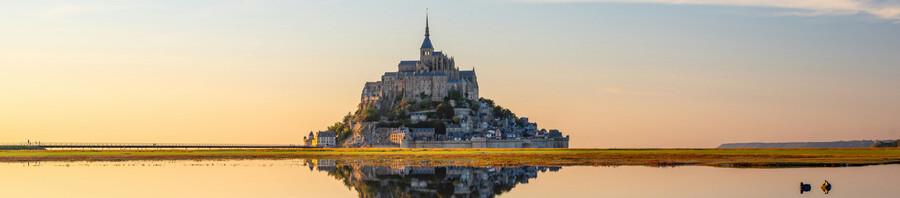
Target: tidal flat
330, 178
747, 158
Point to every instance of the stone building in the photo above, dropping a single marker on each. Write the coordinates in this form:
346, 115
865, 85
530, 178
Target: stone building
417, 117
422, 133
400, 136
430, 78
325, 139
308, 140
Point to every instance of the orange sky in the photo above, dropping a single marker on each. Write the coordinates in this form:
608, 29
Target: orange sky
244, 72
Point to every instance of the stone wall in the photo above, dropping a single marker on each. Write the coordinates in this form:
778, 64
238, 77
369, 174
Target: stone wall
532, 143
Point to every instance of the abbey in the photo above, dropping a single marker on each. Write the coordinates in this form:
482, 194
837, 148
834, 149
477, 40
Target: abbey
431, 77
430, 103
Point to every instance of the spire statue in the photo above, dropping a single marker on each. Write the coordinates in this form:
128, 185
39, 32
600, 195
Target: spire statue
427, 49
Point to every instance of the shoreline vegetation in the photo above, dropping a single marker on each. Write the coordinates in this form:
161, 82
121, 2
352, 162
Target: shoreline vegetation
739, 158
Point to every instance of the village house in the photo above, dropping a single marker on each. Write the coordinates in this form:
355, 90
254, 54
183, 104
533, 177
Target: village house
325, 139
417, 117
399, 135
422, 133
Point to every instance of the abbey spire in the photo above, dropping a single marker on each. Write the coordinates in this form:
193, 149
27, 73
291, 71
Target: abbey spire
427, 43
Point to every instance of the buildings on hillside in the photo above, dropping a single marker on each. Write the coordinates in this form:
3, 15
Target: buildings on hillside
431, 103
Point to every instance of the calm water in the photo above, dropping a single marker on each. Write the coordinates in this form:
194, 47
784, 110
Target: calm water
325, 178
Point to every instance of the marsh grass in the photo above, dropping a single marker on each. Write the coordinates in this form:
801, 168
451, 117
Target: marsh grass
500, 157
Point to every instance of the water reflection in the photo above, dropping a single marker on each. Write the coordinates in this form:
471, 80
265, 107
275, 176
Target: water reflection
387, 178
428, 181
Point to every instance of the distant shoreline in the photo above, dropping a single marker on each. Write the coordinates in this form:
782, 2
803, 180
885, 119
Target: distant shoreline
739, 158
828, 144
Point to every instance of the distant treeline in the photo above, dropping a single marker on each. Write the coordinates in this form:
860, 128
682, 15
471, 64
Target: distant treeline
21, 148
888, 143
835, 144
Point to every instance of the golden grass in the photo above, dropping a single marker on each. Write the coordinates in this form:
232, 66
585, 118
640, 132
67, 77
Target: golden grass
501, 157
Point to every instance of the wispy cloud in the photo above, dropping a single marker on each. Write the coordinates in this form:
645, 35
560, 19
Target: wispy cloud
66, 10
885, 9
629, 92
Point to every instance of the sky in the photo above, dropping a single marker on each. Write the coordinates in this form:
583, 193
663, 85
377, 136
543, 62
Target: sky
610, 73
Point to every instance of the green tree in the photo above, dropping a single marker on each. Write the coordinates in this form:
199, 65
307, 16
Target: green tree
455, 95
489, 102
337, 127
348, 117
508, 113
445, 111
370, 114
440, 128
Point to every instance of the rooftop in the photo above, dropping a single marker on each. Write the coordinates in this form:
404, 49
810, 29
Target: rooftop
408, 62
427, 74
426, 44
467, 73
421, 129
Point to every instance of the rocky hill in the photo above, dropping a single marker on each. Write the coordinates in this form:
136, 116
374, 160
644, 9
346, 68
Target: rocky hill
430, 102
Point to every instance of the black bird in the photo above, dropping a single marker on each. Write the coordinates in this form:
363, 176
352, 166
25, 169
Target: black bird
826, 187
804, 187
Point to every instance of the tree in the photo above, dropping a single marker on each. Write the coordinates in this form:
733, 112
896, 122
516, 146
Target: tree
499, 111
489, 102
370, 114
455, 95
401, 115
406, 122
421, 105
348, 117
440, 128
342, 130
508, 113
474, 105
445, 111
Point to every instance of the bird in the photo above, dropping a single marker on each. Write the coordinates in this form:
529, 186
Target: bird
826, 187
804, 187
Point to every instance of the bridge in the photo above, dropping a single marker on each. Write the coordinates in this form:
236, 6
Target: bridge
75, 145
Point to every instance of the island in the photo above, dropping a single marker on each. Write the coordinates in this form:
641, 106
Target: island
431, 103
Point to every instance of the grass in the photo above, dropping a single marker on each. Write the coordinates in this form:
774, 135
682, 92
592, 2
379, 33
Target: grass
501, 157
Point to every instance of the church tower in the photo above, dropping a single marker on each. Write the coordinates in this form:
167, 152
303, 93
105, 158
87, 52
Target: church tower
426, 51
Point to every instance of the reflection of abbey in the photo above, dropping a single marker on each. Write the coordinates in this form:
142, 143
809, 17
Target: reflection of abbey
431, 77
398, 180
430, 103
